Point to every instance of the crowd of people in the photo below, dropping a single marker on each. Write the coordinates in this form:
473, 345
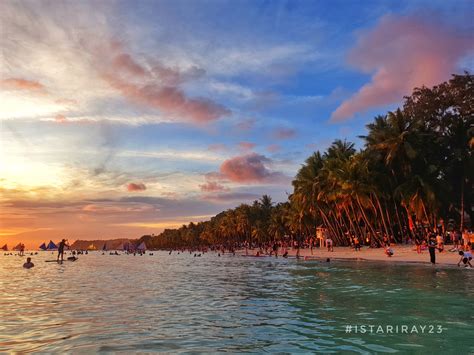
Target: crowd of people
422, 239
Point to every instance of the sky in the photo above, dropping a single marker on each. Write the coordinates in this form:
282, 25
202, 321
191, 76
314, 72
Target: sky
122, 118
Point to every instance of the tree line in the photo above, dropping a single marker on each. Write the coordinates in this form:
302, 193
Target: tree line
414, 173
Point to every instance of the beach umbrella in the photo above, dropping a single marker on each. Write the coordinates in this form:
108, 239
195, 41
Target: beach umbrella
4, 248
51, 246
43, 246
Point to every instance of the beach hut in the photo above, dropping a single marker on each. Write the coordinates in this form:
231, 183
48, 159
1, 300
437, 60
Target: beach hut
43, 246
92, 247
4, 248
51, 246
142, 246
320, 234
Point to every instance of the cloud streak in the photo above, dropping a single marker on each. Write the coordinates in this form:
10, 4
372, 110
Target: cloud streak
212, 186
402, 53
23, 84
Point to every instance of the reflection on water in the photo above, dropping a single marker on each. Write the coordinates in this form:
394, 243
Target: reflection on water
181, 303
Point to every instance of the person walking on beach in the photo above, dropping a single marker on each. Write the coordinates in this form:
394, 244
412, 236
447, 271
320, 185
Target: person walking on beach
28, 264
418, 244
356, 244
455, 237
432, 248
329, 243
440, 241
61, 246
275, 249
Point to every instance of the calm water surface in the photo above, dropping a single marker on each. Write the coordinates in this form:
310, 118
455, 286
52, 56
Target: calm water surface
237, 304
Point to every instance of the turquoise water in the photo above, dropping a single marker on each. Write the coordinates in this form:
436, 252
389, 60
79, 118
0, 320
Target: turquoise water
237, 304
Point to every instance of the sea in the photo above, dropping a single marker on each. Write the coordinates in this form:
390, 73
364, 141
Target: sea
206, 304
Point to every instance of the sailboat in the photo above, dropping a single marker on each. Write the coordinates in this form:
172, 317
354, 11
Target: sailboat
51, 246
43, 246
17, 248
142, 246
4, 248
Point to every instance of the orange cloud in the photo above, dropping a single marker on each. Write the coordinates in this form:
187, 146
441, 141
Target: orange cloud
23, 84
403, 54
134, 187
251, 168
60, 119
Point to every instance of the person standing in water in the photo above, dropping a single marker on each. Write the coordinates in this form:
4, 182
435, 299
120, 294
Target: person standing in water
432, 248
61, 246
22, 249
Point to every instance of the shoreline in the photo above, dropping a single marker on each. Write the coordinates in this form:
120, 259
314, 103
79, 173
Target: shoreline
403, 254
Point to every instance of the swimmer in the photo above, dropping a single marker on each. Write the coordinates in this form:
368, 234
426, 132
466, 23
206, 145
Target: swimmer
28, 264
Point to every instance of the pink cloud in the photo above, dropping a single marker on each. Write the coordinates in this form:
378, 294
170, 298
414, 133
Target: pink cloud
212, 186
158, 87
134, 187
249, 168
246, 145
23, 84
60, 119
246, 125
402, 53
284, 133
273, 148
124, 62
218, 147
